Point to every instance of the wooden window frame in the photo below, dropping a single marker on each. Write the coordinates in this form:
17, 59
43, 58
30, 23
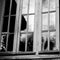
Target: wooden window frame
9, 17
37, 28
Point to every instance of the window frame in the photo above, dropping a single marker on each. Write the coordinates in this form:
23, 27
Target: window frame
8, 32
37, 28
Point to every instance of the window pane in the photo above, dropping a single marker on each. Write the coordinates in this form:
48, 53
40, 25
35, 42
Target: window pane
23, 23
10, 42
52, 21
31, 23
45, 5
22, 42
44, 21
12, 24
32, 6
3, 43
13, 9
7, 6
25, 6
44, 45
5, 24
52, 5
53, 41
30, 42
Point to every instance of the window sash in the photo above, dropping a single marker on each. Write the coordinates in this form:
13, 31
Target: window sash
37, 24
1, 22
17, 26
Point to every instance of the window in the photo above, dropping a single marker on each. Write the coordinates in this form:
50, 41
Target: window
8, 26
49, 25
30, 26
26, 28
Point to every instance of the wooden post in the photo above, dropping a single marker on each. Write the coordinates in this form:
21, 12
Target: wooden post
37, 24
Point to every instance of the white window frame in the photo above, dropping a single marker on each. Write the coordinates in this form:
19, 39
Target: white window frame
37, 28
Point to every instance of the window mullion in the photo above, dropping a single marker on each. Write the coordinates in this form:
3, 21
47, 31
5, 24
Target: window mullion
48, 25
57, 25
37, 28
27, 25
17, 26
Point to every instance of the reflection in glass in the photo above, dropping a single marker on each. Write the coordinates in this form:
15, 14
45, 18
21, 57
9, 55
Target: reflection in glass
32, 6
52, 41
3, 43
22, 42
44, 21
52, 21
5, 24
31, 23
10, 42
44, 5
44, 45
25, 6
52, 5
30, 42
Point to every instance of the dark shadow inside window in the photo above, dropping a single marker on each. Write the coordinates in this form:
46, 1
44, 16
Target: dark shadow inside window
5, 24
10, 42
7, 7
12, 24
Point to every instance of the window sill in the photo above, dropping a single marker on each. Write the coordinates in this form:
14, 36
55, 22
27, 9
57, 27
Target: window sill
33, 55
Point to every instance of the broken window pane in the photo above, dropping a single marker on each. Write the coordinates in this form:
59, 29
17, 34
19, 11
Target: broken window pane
12, 24
23, 23
3, 43
5, 24
7, 7
10, 42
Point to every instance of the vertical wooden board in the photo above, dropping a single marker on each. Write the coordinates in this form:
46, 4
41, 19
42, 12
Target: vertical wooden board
19, 23
16, 27
37, 32
57, 26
